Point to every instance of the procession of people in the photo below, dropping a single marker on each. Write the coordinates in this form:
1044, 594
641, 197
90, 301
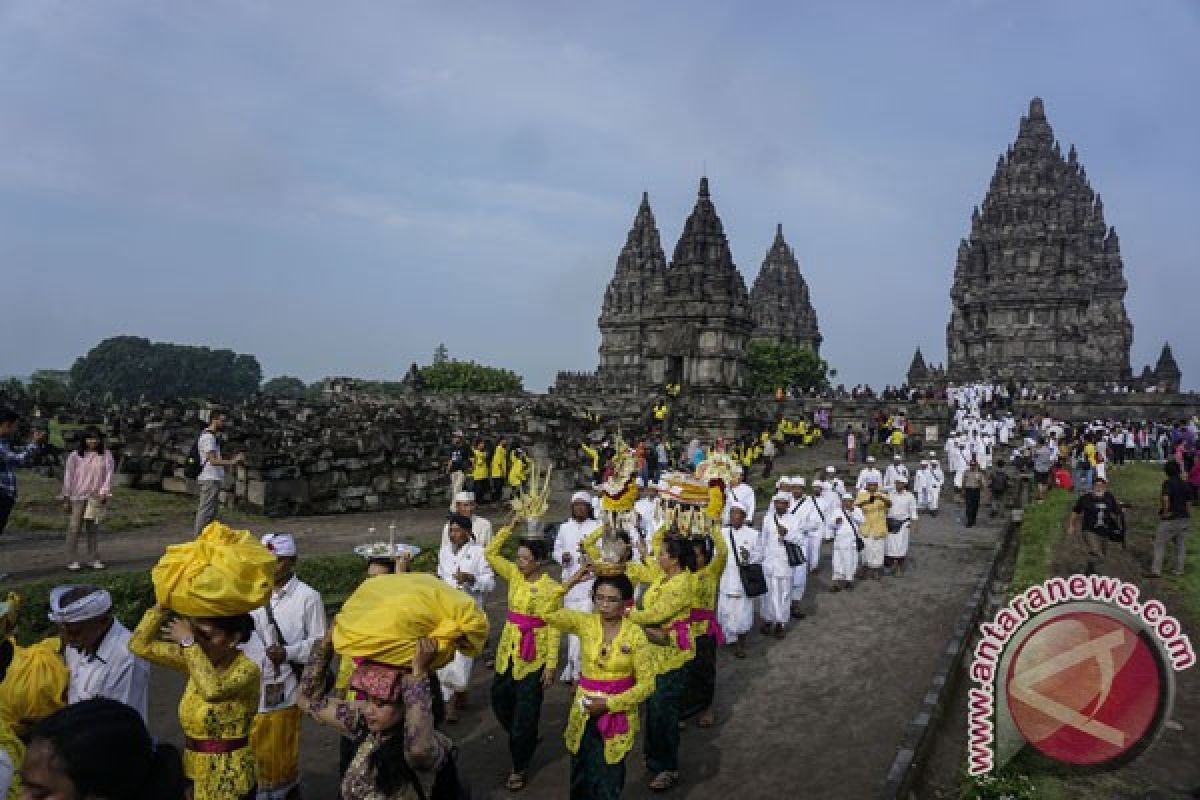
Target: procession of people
647, 577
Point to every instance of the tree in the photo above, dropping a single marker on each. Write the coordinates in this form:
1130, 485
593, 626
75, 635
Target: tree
467, 376
133, 368
50, 385
780, 365
440, 354
285, 387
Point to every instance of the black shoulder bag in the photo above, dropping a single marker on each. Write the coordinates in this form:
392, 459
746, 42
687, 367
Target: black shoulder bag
754, 580
795, 552
859, 544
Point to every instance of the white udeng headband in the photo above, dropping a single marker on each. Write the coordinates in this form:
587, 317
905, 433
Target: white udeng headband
92, 605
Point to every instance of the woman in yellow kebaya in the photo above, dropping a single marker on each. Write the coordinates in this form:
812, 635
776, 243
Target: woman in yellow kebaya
527, 655
617, 675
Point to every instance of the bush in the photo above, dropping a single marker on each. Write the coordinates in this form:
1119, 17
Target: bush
467, 376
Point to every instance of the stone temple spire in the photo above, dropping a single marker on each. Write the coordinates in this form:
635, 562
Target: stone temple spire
779, 301
1166, 371
1039, 286
702, 267
918, 371
637, 277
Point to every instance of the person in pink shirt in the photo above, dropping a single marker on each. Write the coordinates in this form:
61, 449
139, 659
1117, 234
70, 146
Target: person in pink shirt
87, 485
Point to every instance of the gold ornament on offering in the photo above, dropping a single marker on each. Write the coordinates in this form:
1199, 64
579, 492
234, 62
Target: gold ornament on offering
10, 611
534, 503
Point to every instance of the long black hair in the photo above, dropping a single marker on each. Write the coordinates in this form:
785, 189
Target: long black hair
681, 550
104, 748
91, 433
241, 625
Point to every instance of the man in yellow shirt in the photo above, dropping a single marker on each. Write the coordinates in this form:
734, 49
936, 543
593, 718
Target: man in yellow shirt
499, 469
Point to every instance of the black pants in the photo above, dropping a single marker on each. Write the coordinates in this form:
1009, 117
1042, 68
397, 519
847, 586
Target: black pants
701, 677
592, 777
7, 501
972, 496
661, 739
768, 465
517, 705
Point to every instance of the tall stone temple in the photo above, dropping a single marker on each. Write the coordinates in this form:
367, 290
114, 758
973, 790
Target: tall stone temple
779, 301
1039, 286
687, 322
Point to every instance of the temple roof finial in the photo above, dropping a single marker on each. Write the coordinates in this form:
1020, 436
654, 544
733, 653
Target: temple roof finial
704, 186
1036, 109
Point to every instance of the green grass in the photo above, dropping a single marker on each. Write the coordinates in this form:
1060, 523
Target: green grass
335, 577
1038, 540
1139, 485
39, 507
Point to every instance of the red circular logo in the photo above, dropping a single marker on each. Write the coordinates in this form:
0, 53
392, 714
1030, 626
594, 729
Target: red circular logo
1085, 688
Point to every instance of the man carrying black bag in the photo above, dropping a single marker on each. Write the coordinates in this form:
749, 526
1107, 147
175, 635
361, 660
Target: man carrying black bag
742, 581
1097, 518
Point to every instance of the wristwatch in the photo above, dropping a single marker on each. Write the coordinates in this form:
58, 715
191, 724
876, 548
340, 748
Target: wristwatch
188, 642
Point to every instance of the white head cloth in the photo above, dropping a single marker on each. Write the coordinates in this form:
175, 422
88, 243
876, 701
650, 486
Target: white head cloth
797, 481
464, 497
740, 507
781, 497
94, 604
831, 470
847, 496
282, 545
581, 497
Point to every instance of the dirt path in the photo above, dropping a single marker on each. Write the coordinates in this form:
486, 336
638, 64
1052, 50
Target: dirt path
820, 712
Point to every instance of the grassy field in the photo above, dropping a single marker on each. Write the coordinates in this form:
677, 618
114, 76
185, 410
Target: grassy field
39, 507
1041, 537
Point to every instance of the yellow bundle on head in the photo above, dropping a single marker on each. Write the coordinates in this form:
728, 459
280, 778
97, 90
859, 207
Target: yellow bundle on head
36, 683
387, 614
223, 573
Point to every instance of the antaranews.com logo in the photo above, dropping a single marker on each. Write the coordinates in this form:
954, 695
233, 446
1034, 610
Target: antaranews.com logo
1077, 668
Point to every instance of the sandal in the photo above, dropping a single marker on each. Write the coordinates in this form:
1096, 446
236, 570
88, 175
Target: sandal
707, 718
516, 782
664, 781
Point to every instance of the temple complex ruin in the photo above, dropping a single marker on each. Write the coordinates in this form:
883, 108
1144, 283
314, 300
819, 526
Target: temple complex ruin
1039, 284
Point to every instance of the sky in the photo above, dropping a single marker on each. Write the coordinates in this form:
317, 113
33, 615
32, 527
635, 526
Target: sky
338, 188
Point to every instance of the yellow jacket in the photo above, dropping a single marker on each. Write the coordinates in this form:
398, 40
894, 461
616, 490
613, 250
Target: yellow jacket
500, 461
479, 465
518, 472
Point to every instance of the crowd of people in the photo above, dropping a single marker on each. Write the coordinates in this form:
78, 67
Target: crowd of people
635, 631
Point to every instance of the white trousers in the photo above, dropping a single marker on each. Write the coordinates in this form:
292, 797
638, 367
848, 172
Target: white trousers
736, 615
935, 495
574, 666
845, 560
799, 582
776, 605
872, 552
456, 675
896, 544
812, 550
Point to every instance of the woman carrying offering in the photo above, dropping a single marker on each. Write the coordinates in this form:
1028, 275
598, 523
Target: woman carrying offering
710, 554
617, 666
527, 655
666, 615
219, 702
400, 756
874, 505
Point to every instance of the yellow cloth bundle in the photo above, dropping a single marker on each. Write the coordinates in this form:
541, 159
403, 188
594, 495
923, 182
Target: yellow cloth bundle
36, 683
222, 573
387, 614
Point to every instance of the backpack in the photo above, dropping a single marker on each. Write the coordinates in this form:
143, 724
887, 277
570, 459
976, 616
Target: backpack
999, 481
194, 464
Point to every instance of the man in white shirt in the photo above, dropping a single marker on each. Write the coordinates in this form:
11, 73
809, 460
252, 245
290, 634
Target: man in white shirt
647, 508
895, 471
462, 564
213, 473
902, 510
735, 611
285, 631
739, 492
97, 648
778, 527
568, 553
481, 529
836, 484
870, 473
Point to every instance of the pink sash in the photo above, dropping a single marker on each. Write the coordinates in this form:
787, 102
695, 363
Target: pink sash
709, 616
610, 723
683, 633
527, 625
